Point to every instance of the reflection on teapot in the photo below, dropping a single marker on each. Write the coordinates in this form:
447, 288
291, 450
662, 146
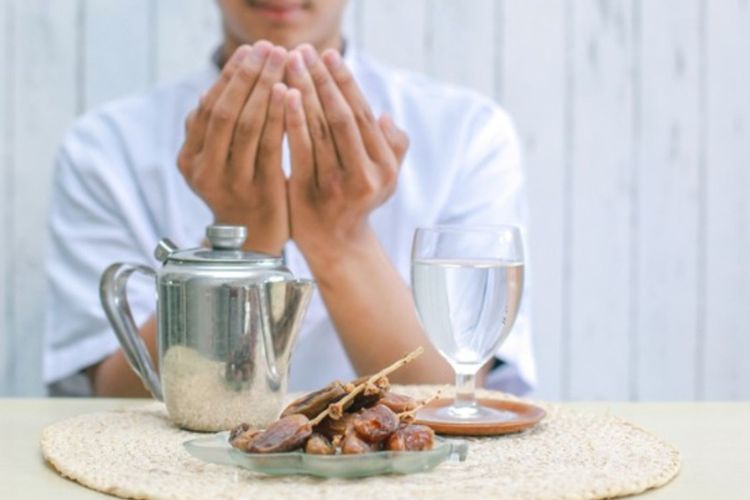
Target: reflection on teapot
227, 322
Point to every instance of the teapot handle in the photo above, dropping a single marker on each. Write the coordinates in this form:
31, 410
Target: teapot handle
113, 294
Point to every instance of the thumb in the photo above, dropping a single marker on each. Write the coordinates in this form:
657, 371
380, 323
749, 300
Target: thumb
397, 138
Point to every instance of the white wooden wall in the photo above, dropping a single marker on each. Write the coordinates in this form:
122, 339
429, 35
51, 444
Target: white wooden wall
635, 119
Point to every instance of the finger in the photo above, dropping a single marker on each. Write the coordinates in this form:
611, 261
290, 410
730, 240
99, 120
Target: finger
224, 114
268, 163
186, 155
197, 121
324, 152
300, 143
372, 136
397, 139
247, 133
346, 134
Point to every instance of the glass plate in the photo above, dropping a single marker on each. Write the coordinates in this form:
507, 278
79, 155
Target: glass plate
216, 449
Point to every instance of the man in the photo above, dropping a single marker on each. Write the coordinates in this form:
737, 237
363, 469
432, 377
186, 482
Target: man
341, 215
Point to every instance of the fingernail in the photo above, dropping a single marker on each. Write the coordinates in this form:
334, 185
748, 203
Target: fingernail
296, 62
259, 53
278, 91
238, 55
309, 54
332, 59
276, 59
294, 101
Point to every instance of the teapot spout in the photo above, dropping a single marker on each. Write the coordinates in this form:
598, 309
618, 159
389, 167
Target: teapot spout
283, 305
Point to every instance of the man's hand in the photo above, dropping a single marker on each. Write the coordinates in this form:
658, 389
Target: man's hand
231, 157
344, 161
344, 165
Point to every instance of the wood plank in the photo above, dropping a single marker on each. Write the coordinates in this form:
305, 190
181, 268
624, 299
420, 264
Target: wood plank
598, 285
116, 47
534, 92
727, 174
352, 23
187, 33
6, 63
460, 45
44, 104
667, 200
395, 32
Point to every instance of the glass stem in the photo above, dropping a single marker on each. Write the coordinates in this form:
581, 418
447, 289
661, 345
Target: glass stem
465, 383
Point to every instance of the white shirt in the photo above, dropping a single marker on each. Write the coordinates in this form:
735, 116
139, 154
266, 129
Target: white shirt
117, 191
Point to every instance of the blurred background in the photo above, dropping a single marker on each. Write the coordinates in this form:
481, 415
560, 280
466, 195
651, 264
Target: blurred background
635, 121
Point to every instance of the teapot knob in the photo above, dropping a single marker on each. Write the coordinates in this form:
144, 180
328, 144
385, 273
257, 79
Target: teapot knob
225, 237
164, 249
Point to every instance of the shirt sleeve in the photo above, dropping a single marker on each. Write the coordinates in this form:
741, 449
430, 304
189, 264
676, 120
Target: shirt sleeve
489, 189
95, 219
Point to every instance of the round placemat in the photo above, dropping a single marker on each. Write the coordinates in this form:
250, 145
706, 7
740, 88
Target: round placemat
138, 453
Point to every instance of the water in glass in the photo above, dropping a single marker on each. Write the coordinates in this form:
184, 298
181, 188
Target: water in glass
467, 306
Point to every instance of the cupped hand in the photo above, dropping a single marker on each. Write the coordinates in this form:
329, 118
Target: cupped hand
344, 161
231, 156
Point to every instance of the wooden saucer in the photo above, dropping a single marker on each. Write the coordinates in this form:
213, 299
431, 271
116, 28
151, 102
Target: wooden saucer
523, 416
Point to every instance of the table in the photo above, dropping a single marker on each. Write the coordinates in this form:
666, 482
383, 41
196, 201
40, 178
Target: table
714, 440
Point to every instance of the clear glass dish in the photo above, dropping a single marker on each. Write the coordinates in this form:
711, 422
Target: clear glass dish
216, 449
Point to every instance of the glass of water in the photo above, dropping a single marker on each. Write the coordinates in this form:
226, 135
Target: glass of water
467, 284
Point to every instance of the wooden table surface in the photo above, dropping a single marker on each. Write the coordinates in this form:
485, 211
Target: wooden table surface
714, 439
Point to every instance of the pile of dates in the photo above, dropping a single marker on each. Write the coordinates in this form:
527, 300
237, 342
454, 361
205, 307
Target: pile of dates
359, 417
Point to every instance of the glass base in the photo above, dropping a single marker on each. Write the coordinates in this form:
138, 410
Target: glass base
469, 414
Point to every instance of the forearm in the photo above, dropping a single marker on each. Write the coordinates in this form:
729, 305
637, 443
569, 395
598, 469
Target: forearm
373, 312
114, 377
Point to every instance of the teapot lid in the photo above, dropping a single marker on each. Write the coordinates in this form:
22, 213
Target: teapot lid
226, 248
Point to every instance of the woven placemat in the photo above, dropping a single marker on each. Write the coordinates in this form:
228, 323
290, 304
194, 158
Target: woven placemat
138, 453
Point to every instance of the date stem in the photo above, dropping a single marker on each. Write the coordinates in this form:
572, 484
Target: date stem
408, 416
335, 410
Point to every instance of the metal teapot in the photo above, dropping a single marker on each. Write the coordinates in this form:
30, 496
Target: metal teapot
227, 321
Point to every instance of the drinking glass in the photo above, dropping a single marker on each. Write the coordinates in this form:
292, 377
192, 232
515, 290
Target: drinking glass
467, 283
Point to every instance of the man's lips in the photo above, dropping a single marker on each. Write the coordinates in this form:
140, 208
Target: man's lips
278, 11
